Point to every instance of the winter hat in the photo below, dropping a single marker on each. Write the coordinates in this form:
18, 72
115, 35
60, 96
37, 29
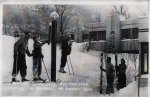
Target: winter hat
108, 58
27, 32
34, 37
68, 35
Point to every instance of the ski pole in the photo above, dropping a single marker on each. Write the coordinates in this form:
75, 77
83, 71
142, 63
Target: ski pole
68, 68
16, 64
16, 59
46, 70
71, 65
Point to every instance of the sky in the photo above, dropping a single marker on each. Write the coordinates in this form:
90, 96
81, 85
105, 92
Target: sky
135, 10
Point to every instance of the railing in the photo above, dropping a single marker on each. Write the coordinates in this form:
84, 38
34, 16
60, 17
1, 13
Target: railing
126, 45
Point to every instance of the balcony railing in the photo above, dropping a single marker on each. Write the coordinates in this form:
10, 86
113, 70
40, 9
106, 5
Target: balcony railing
126, 45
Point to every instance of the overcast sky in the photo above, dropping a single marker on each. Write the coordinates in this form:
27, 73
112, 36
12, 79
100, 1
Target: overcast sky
135, 10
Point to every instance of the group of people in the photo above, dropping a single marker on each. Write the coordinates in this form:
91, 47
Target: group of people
110, 75
21, 48
19, 65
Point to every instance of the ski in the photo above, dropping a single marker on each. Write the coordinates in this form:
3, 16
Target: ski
44, 81
17, 81
39, 81
58, 81
11, 82
101, 77
14, 81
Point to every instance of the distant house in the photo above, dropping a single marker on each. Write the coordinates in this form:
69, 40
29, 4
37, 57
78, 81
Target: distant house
117, 35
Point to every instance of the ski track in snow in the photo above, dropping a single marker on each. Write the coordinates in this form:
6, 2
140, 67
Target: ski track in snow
85, 81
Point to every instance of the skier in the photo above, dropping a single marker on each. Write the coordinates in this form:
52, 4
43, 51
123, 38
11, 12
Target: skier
110, 73
121, 74
66, 50
20, 48
37, 57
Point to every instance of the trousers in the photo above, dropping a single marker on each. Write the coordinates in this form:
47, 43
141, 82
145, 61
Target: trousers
37, 67
19, 65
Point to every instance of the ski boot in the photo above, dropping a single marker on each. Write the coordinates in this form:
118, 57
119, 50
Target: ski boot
35, 79
23, 80
14, 80
62, 70
40, 79
112, 90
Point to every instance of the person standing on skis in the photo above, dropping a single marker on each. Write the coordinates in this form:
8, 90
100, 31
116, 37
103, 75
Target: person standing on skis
110, 74
122, 74
20, 49
65, 51
37, 58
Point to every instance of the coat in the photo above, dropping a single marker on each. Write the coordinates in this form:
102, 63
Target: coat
66, 47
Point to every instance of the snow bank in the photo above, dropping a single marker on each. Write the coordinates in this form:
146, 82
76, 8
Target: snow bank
85, 82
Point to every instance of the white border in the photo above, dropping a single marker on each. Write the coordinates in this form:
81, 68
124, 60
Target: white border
70, 2
1, 49
74, 2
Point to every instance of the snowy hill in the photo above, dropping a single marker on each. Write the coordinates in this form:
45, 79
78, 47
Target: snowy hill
85, 82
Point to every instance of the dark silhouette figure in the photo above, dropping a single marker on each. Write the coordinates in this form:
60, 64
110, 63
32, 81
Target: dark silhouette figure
66, 50
20, 49
37, 57
110, 73
122, 74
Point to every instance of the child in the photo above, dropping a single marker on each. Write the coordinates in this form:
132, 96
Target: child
37, 58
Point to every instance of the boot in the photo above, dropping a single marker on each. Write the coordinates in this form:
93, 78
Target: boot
112, 90
23, 79
108, 90
15, 80
40, 79
35, 79
62, 70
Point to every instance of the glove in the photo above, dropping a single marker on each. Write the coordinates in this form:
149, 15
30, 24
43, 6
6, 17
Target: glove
46, 41
42, 56
15, 53
30, 55
70, 42
101, 67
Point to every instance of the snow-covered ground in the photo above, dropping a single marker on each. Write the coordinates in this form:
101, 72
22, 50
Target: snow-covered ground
85, 82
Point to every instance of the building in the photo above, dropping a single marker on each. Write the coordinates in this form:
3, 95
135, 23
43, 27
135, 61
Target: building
117, 35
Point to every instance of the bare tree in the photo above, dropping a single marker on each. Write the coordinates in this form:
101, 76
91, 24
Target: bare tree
65, 13
44, 12
98, 17
121, 10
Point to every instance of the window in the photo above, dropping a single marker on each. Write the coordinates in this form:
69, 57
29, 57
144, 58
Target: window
72, 36
102, 35
98, 35
134, 33
131, 33
93, 36
85, 37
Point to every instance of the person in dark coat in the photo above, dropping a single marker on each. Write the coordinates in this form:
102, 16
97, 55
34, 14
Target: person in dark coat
110, 74
37, 57
122, 74
20, 49
66, 50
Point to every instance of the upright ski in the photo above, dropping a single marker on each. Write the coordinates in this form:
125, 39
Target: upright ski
101, 76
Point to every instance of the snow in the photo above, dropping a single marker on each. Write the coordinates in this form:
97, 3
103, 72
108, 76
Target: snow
85, 82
